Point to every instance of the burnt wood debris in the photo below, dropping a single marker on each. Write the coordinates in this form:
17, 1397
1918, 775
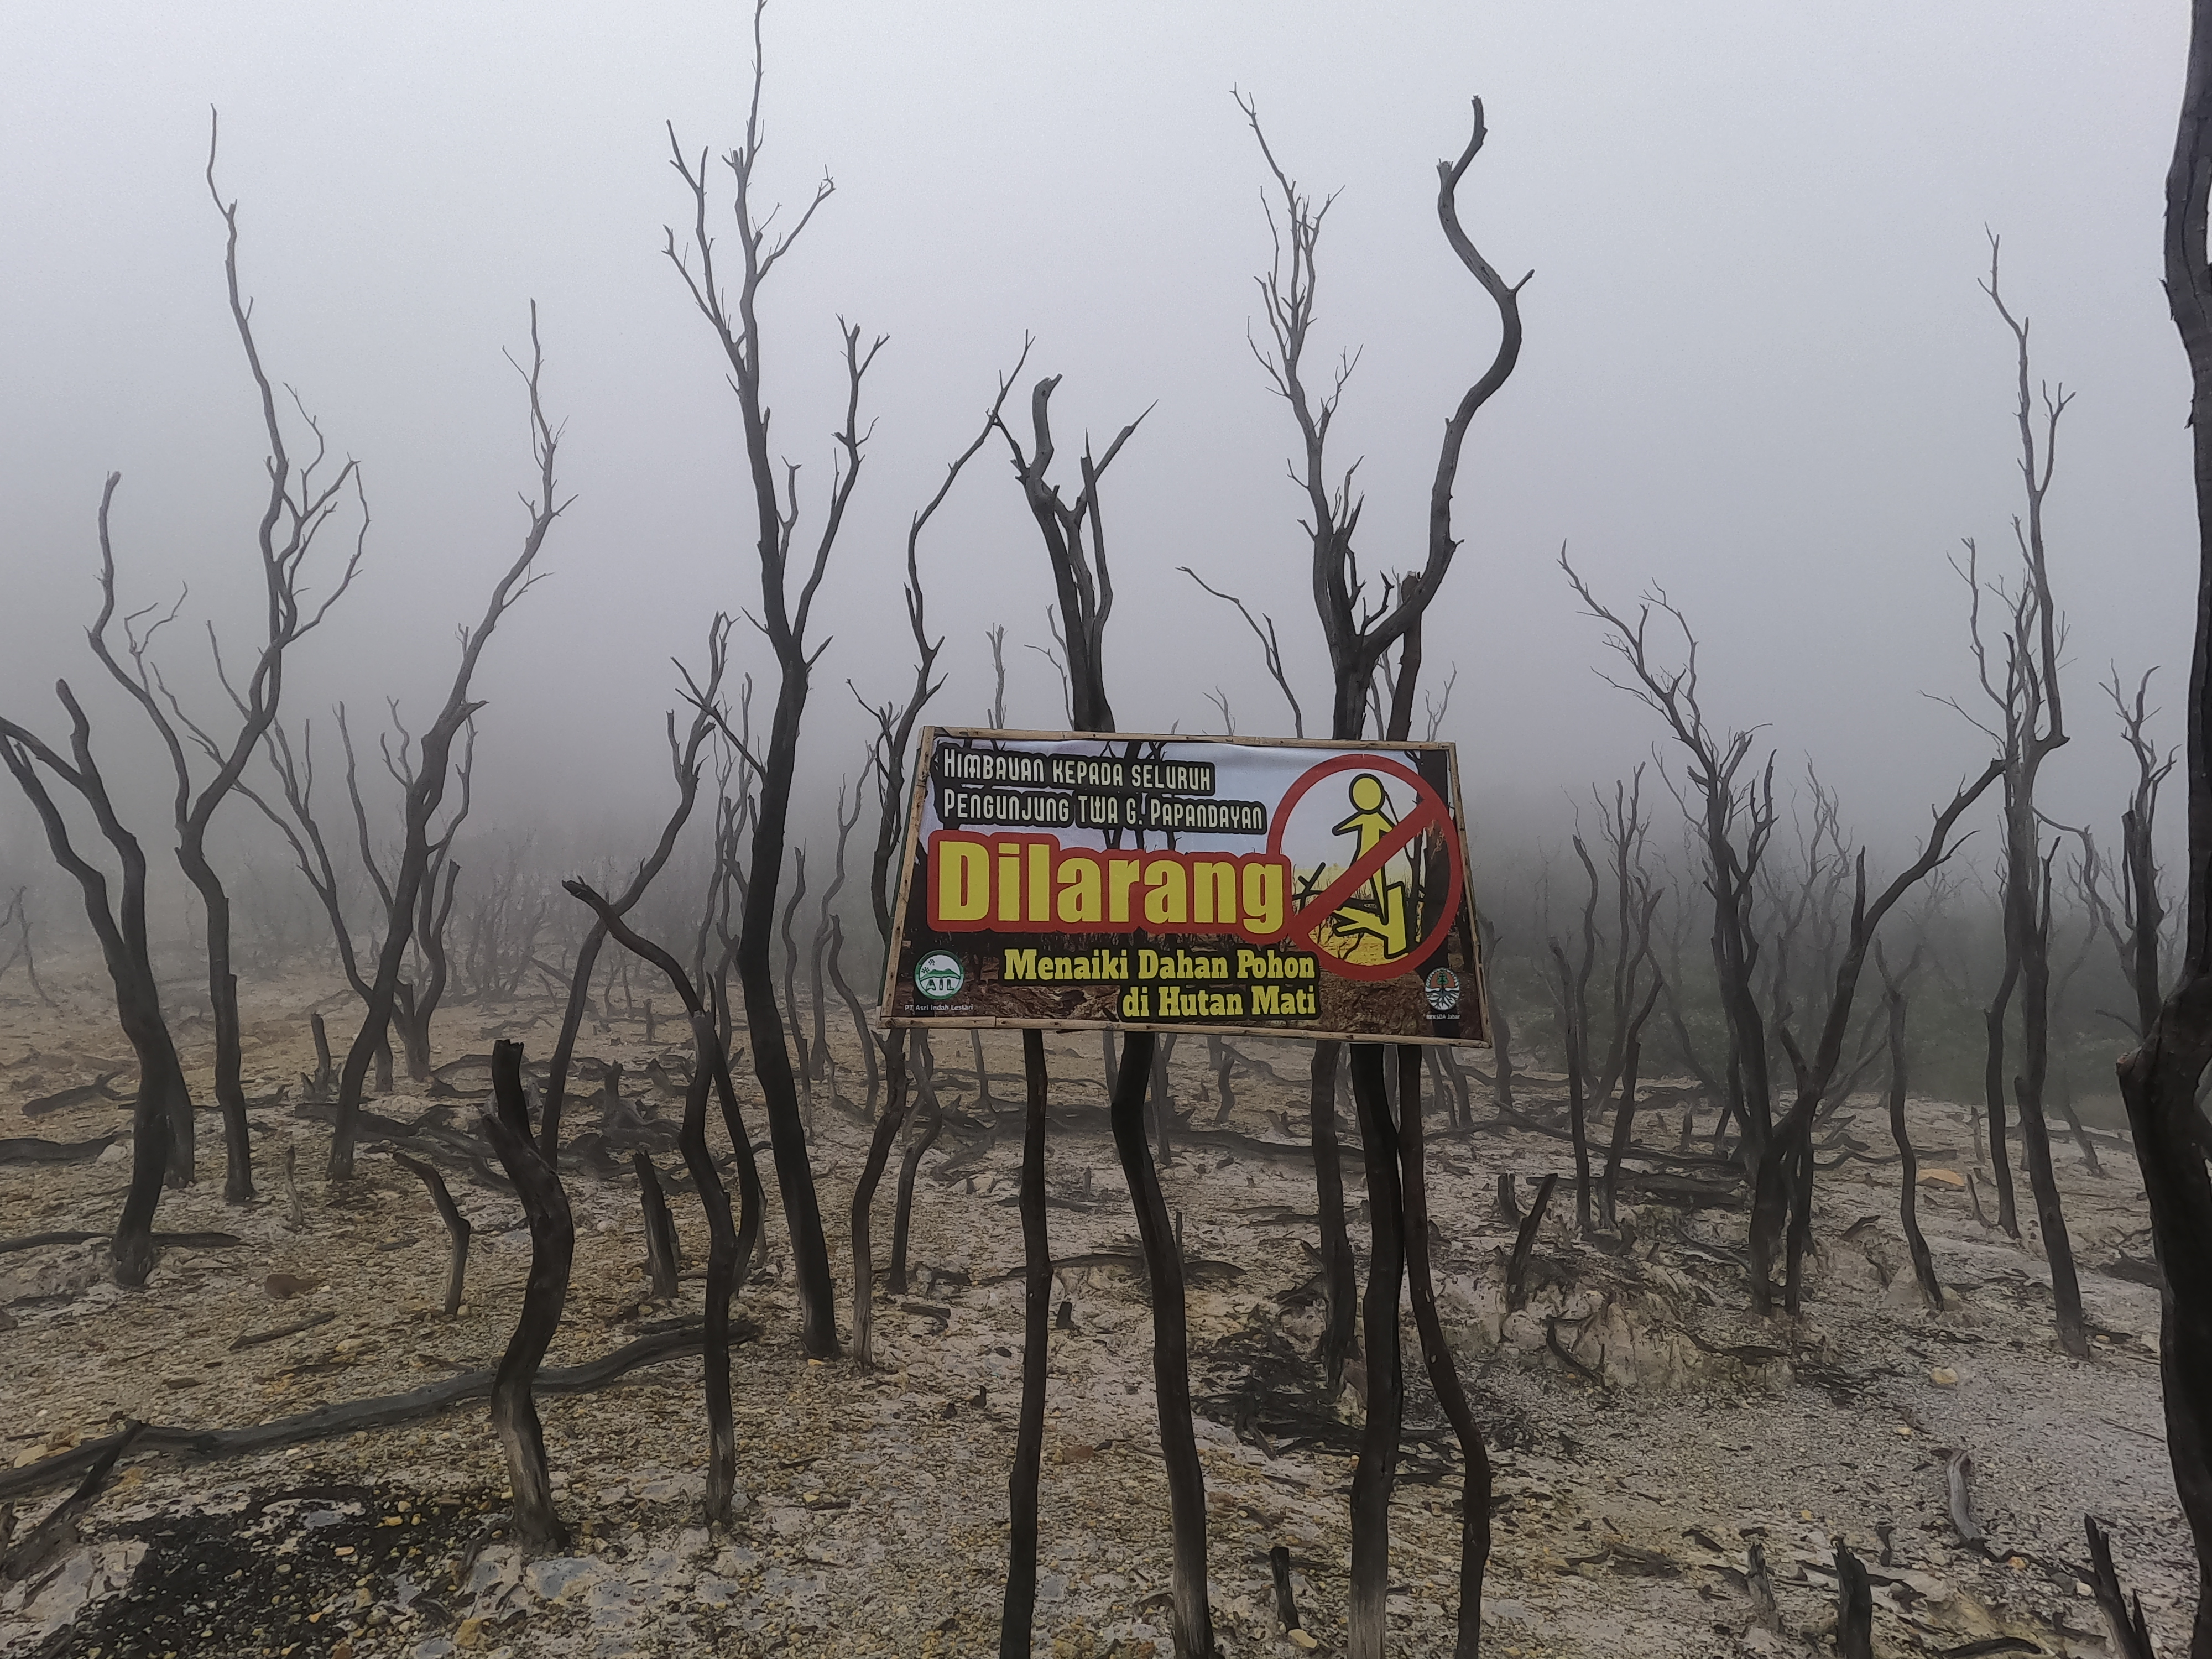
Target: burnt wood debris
1716, 1017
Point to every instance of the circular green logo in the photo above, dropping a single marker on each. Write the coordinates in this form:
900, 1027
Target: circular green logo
937, 976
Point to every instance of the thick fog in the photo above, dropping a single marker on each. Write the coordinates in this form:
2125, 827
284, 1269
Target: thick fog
1758, 370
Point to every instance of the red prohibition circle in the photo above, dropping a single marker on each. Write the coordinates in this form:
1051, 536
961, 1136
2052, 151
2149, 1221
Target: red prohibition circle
1428, 808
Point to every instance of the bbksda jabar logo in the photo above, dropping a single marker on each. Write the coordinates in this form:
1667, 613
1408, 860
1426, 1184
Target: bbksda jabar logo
1442, 988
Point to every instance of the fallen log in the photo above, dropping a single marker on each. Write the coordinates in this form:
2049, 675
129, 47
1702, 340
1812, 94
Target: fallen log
83, 1095
167, 1241
257, 1338
1198, 1270
29, 1149
59, 1529
381, 1412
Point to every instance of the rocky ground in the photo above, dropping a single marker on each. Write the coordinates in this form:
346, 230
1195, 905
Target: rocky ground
1646, 1429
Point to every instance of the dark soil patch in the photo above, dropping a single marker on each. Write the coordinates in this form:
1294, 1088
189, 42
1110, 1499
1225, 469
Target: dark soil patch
293, 1571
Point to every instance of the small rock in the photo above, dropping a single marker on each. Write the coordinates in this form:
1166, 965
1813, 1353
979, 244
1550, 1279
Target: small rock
1950, 1180
1944, 1378
1304, 1639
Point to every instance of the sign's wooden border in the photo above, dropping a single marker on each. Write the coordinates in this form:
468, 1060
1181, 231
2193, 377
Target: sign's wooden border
930, 734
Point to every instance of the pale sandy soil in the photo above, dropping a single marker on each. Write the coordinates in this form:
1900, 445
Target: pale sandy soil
873, 1517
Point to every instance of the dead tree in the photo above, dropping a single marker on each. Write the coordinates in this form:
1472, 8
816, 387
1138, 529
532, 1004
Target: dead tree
895, 729
1271, 653
1493, 1015
823, 933
432, 763
1190, 1616
1358, 634
2025, 695
2158, 1081
1908, 1210
2123, 1612
119, 924
422, 925
1853, 1606
537, 1525
1075, 549
458, 1230
1577, 1119
1624, 1115
923, 1064
1017, 1613
792, 1025
1738, 823
729, 1249
660, 1264
1734, 814
297, 822
1436, 1353
776, 512
1524, 1239
18, 916
2135, 919
1375, 1474
1782, 1179
297, 507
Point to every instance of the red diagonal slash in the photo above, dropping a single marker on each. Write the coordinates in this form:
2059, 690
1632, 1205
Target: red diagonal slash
1305, 922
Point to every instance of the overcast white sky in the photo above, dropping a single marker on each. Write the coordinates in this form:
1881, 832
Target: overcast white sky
1757, 368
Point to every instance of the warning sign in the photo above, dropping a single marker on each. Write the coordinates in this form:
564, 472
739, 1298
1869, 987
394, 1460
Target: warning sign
1232, 885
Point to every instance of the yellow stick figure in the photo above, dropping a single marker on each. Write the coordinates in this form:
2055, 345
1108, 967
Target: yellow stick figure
1378, 910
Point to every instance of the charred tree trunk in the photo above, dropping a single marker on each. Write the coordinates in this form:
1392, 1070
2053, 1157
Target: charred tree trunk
737, 333
537, 1525
1524, 1241
1017, 1616
1219, 1061
1624, 1120
984, 1104
862, 1036
1993, 1096
724, 1262
457, 1224
924, 1137
1190, 1618
661, 1266
729, 1252
794, 1021
428, 789
1577, 1128
1162, 1107
1854, 1606
162, 1098
1340, 1282
863, 1197
1908, 1197
319, 1087
686, 764
1435, 1352
419, 1002
1376, 1472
